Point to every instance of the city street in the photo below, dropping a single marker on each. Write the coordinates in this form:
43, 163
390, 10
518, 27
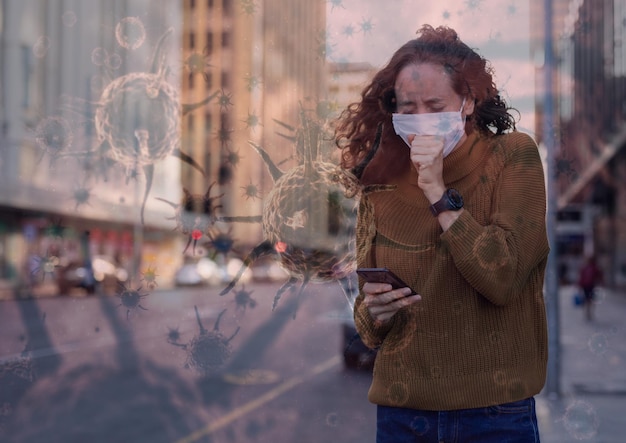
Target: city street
96, 371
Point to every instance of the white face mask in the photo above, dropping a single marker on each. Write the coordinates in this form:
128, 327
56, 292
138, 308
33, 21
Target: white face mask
449, 125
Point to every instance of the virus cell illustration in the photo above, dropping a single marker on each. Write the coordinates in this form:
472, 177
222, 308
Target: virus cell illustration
54, 135
348, 30
197, 214
173, 335
130, 298
209, 350
137, 117
149, 276
130, 33
251, 191
252, 121
581, 420
220, 242
225, 100
55, 229
252, 82
199, 63
366, 26
309, 215
81, 195
243, 299
336, 4
43, 266
474, 5
325, 48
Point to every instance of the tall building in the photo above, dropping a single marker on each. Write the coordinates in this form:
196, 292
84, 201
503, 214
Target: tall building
263, 60
90, 129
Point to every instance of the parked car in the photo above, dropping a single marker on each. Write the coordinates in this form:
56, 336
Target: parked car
204, 271
103, 274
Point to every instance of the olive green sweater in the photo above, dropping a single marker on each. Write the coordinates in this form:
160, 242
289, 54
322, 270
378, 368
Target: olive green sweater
478, 337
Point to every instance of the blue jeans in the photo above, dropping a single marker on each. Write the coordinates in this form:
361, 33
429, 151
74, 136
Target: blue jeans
514, 422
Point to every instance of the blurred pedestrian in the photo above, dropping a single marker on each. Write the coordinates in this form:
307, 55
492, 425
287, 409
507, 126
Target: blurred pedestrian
589, 277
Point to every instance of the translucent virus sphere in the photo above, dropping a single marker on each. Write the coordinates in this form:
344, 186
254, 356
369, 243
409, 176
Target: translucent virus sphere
308, 213
139, 118
309, 216
130, 33
581, 420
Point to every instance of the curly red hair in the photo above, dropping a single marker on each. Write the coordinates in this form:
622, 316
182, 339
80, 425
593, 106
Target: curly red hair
470, 76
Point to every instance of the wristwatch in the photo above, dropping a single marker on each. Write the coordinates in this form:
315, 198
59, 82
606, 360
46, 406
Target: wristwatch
451, 201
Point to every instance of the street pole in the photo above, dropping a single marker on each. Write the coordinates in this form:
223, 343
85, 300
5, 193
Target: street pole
551, 280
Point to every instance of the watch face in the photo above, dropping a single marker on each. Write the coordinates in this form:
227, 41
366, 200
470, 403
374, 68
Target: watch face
455, 199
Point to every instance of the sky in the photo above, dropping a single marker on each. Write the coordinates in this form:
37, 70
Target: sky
499, 30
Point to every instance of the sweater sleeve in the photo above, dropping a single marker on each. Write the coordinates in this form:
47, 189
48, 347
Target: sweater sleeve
498, 258
372, 333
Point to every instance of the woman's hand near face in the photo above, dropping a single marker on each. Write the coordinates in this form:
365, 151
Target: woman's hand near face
427, 158
383, 302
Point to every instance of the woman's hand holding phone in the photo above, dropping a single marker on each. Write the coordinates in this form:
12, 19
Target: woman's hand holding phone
382, 299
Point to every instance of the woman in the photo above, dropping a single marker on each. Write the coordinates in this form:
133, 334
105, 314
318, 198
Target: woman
465, 229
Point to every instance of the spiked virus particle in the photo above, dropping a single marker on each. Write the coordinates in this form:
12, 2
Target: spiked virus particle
81, 195
348, 30
173, 335
243, 299
54, 135
251, 191
196, 215
220, 242
309, 215
55, 229
336, 4
366, 26
232, 157
252, 121
252, 82
225, 100
209, 350
130, 298
199, 63
43, 266
149, 276
137, 117
130, 33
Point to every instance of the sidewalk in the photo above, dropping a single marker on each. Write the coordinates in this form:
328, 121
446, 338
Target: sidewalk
592, 406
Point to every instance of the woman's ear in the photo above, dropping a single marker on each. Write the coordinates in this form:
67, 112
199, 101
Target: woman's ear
468, 109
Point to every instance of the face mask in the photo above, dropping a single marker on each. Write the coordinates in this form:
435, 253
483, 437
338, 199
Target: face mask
449, 125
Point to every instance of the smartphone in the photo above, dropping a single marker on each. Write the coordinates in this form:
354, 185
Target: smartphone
383, 275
